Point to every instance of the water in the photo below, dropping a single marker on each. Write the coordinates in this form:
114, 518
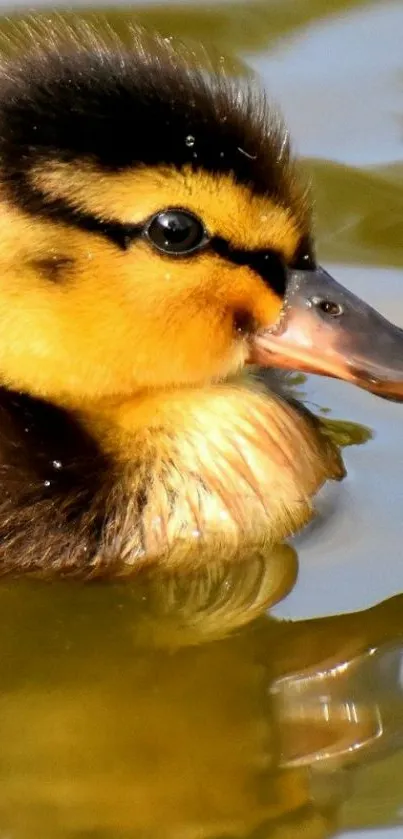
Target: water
128, 711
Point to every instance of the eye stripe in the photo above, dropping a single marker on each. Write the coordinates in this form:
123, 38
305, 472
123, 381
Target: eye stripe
269, 264
57, 209
120, 234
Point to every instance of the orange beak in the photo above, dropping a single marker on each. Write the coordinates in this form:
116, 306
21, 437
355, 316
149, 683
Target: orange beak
326, 329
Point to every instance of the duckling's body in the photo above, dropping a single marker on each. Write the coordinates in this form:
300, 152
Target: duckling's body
149, 209
173, 492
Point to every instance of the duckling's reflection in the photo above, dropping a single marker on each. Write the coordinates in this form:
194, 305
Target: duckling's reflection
158, 711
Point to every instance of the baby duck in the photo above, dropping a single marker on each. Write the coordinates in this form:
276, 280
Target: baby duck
155, 240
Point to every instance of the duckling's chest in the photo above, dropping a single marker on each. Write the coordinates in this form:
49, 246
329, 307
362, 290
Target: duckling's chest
214, 488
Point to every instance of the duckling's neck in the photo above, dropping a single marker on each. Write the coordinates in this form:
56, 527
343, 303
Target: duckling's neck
221, 459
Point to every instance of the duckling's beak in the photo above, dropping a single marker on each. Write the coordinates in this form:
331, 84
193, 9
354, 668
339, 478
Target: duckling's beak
326, 329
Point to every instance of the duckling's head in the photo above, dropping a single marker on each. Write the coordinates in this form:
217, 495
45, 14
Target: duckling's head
155, 231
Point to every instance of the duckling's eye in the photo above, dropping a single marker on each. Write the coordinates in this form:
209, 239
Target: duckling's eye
176, 232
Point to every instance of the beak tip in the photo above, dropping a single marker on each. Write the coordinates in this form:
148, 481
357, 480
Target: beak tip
358, 346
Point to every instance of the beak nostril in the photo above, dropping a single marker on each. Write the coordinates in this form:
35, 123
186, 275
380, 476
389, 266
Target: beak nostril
327, 307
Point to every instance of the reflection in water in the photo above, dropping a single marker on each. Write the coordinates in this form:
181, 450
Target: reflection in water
340, 703
123, 713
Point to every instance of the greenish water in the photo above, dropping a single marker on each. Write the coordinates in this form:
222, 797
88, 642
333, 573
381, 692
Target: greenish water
180, 708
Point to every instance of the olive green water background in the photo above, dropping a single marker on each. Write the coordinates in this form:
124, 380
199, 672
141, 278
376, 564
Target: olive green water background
179, 708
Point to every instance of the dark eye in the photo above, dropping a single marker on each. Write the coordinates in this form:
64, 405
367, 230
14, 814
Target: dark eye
176, 232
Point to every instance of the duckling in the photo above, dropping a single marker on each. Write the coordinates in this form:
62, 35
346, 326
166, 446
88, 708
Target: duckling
155, 245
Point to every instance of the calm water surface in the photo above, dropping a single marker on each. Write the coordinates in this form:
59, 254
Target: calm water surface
182, 708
